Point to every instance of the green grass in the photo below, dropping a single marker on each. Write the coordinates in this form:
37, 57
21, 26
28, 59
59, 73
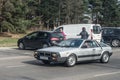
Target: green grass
11, 41
8, 42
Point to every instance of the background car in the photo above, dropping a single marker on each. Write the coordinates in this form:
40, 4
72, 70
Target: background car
71, 51
111, 36
40, 39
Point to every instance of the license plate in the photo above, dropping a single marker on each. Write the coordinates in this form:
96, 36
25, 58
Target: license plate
43, 57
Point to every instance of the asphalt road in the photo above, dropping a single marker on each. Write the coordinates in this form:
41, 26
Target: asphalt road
21, 65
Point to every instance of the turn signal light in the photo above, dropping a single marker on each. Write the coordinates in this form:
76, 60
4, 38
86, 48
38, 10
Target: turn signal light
54, 39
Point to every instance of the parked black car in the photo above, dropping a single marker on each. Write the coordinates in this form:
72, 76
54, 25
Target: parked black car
40, 39
111, 36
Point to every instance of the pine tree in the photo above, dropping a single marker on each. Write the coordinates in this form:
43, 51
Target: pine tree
111, 13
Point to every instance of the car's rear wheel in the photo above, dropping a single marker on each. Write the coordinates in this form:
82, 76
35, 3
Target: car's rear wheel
71, 61
105, 58
45, 45
21, 45
115, 43
46, 62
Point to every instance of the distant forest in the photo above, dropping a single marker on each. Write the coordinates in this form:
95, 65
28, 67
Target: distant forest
17, 16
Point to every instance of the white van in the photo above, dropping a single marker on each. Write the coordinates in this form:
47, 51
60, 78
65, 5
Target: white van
72, 30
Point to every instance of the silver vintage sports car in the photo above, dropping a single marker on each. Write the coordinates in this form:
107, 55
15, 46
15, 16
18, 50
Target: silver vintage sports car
72, 51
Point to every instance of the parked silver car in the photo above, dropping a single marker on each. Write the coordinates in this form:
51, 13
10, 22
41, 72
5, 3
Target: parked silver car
72, 51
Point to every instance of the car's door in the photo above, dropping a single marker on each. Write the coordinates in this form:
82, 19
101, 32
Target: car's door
86, 51
30, 39
107, 35
97, 50
42, 38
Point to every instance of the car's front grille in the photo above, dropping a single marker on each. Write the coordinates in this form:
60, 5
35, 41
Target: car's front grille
48, 54
41, 54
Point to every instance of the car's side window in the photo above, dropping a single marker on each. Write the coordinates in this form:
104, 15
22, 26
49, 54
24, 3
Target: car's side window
42, 35
108, 31
32, 35
117, 31
89, 44
94, 44
86, 44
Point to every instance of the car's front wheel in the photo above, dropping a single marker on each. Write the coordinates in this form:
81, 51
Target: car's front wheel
115, 43
21, 45
71, 61
105, 58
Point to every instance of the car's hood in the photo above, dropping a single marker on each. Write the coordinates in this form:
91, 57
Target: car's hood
57, 49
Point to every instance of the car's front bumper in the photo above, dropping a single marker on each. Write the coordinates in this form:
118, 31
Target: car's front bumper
110, 54
50, 58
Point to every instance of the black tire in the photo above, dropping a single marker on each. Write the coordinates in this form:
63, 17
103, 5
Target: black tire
21, 46
115, 43
71, 60
45, 45
105, 58
46, 62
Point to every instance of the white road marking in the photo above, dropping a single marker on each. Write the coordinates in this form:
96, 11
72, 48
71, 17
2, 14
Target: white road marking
15, 66
28, 53
17, 57
106, 74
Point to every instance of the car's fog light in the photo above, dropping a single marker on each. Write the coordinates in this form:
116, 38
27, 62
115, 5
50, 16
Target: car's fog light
35, 54
54, 58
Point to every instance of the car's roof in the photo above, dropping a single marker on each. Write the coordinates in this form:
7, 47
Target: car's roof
45, 31
48, 31
115, 28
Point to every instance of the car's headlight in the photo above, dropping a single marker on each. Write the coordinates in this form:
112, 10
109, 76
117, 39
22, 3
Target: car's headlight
36, 52
54, 55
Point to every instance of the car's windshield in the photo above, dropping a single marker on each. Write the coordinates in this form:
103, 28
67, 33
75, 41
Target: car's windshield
55, 34
71, 43
103, 44
96, 29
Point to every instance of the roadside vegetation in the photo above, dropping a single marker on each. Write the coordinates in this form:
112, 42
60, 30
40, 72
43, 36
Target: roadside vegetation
9, 40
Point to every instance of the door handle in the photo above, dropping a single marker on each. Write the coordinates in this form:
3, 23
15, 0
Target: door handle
94, 49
